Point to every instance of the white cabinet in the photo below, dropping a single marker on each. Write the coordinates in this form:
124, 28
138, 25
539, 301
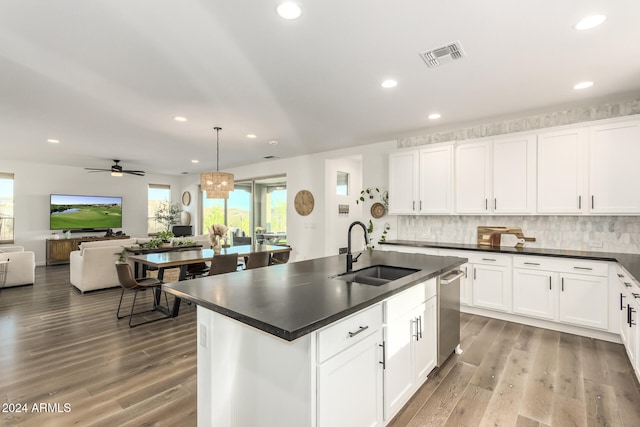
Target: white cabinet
403, 182
350, 386
514, 175
491, 278
533, 293
496, 176
561, 171
349, 372
436, 180
410, 345
473, 177
614, 149
584, 300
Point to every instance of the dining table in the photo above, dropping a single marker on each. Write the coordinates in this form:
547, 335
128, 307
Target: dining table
182, 259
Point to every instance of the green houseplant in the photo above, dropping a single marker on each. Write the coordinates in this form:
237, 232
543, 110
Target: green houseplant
168, 214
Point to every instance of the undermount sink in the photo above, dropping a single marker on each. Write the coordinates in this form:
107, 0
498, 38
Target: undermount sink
376, 275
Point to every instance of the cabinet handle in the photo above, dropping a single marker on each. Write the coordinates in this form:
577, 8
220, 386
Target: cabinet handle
593, 202
384, 355
631, 311
531, 263
417, 334
489, 259
360, 330
583, 268
627, 284
636, 296
579, 202
474, 273
486, 204
563, 284
414, 206
620, 275
420, 204
495, 203
420, 327
621, 303
465, 272
549, 282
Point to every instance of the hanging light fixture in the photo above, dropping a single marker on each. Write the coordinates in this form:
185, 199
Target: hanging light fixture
217, 184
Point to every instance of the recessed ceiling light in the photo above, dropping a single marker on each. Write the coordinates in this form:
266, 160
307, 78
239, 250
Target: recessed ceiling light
583, 85
273, 142
180, 119
590, 22
389, 83
195, 161
53, 141
252, 136
434, 116
289, 10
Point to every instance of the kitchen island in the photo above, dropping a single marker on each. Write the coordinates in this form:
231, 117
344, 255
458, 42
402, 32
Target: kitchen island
271, 349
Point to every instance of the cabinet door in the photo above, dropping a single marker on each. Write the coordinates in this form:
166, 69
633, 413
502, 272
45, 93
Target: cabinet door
403, 182
533, 293
614, 150
514, 163
350, 386
466, 284
399, 380
473, 177
561, 171
584, 300
624, 317
425, 351
491, 287
436, 180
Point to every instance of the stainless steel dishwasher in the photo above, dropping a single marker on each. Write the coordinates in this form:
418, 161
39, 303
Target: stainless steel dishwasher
449, 315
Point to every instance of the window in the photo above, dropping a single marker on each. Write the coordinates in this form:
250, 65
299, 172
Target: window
6, 208
342, 184
157, 195
255, 212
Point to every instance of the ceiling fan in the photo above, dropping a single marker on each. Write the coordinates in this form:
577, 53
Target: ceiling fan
116, 170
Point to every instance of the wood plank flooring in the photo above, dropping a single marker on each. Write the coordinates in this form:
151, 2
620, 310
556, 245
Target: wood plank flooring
59, 347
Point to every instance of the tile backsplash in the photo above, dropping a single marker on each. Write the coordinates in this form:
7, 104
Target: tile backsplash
587, 233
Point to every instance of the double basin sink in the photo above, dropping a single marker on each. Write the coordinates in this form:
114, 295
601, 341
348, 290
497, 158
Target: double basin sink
376, 275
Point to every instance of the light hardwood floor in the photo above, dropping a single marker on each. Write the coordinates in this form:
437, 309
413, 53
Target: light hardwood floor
58, 346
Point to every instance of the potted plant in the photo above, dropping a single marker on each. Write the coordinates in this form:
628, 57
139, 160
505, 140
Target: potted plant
122, 256
168, 214
165, 237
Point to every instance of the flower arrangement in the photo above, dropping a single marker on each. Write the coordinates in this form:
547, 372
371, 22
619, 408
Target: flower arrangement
216, 232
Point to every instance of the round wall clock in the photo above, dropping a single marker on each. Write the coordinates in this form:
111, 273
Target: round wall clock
304, 202
186, 198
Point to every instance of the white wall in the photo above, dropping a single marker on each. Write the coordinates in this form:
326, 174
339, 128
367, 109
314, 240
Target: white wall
33, 184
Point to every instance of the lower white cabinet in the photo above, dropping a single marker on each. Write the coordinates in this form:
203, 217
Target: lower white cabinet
533, 293
410, 346
350, 386
491, 286
584, 300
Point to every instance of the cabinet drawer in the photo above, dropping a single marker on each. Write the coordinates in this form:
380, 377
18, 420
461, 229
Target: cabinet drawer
490, 258
346, 332
539, 263
398, 305
592, 268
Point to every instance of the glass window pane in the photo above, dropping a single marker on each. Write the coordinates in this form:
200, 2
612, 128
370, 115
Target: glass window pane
157, 194
212, 212
239, 213
342, 184
6, 208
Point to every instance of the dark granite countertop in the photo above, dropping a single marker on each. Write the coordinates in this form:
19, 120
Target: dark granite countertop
294, 299
631, 262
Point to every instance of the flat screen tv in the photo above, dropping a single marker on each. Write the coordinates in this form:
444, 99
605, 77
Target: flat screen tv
69, 212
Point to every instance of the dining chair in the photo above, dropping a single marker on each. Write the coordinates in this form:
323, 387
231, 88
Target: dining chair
221, 264
130, 283
256, 260
280, 257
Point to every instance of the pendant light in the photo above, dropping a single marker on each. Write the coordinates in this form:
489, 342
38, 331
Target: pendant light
217, 184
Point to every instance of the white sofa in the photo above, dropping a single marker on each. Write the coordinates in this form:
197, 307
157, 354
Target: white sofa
21, 269
93, 266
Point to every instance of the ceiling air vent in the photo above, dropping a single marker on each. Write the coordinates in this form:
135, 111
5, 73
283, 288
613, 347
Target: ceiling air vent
443, 55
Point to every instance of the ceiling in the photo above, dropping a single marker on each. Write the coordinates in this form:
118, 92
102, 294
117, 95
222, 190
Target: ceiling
107, 77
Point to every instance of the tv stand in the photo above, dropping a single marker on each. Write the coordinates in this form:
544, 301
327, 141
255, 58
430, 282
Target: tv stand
59, 250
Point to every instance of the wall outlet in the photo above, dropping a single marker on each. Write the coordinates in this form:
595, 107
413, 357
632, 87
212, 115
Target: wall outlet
342, 251
203, 335
595, 243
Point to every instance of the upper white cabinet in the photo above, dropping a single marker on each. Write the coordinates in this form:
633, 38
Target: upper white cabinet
514, 175
473, 177
561, 171
614, 150
436, 180
403, 182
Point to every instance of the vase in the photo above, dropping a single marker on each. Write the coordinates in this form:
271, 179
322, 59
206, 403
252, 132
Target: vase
185, 218
217, 246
